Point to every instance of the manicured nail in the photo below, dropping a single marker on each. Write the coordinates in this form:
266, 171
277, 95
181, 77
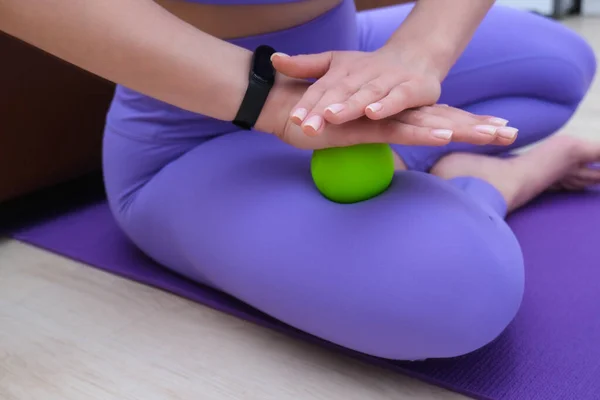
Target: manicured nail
442, 133
443, 105
375, 107
507, 132
335, 108
498, 121
314, 122
594, 165
489, 129
278, 55
300, 114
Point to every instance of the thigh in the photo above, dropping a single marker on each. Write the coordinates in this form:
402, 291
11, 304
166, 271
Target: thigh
512, 54
420, 271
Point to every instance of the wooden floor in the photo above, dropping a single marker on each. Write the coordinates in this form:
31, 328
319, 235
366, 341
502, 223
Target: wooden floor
69, 332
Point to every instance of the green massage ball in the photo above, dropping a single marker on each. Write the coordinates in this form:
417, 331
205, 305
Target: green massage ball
353, 174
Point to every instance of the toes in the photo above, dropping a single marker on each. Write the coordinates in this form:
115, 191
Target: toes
574, 184
581, 178
585, 175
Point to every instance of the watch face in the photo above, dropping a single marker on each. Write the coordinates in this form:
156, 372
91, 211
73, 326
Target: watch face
262, 64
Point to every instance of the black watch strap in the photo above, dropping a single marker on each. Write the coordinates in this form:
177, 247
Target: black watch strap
260, 82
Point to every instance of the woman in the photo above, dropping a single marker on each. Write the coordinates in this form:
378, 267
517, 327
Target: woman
429, 268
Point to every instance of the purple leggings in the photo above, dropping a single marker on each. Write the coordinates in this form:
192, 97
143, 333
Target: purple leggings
429, 269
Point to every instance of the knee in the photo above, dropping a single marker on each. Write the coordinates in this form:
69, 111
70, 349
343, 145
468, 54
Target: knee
580, 65
419, 272
448, 309
555, 62
448, 287
566, 60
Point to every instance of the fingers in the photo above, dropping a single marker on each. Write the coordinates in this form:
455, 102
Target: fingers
504, 135
412, 127
366, 131
465, 127
412, 135
463, 131
303, 114
302, 66
356, 103
401, 97
385, 131
463, 116
484, 119
575, 184
345, 100
339, 99
589, 175
323, 98
379, 99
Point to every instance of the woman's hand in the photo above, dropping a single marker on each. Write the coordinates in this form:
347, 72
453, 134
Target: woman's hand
429, 125
378, 85
352, 84
415, 127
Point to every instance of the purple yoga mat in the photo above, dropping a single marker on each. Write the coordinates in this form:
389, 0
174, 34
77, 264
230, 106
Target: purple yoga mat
551, 351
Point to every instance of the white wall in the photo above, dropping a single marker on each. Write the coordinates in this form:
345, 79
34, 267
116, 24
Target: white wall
590, 7
542, 6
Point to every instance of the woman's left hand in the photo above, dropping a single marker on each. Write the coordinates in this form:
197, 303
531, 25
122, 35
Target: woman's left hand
353, 84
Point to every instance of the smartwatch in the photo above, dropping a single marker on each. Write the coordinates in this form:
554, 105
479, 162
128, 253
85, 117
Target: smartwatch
261, 80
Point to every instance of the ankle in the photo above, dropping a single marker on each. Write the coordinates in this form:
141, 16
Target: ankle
443, 167
399, 164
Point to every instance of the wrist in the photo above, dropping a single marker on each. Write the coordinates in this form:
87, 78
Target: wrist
215, 91
427, 39
437, 32
284, 95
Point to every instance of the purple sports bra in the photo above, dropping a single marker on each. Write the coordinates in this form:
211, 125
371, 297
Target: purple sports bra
242, 2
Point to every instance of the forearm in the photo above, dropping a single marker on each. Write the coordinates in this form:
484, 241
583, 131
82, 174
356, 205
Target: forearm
138, 44
438, 31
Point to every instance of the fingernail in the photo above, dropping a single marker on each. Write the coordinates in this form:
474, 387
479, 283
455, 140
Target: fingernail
314, 122
498, 121
443, 105
489, 129
299, 114
375, 107
442, 133
335, 108
507, 132
278, 55
594, 165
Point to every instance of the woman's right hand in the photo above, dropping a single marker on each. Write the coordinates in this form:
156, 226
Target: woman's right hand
435, 125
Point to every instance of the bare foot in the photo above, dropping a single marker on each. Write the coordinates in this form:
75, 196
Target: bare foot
560, 162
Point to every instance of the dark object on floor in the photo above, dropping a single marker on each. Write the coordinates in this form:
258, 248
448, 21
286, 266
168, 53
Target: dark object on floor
52, 117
